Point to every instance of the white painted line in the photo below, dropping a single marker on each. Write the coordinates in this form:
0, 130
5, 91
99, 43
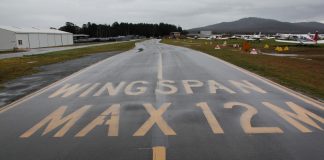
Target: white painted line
160, 68
160, 65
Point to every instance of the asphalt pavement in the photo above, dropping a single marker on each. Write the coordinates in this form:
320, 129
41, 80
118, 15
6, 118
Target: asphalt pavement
47, 74
163, 102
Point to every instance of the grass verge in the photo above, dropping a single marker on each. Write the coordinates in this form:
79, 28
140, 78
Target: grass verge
304, 73
13, 68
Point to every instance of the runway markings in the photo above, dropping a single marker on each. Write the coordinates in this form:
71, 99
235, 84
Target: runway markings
163, 84
160, 68
56, 119
112, 90
156, 118
214, 86
212, 121
68, 90
246, 119
188, 84
246, 86
113, 122
86, 93
61, 122
138, 91
164, 87
300, 114
159, 153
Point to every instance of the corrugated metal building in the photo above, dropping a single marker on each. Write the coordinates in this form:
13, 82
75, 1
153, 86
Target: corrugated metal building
205, 34
16, 37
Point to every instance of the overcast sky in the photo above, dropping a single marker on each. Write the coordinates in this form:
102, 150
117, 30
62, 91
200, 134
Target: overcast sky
186, 13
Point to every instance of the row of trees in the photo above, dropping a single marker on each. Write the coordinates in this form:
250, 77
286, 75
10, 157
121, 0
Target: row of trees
121, 29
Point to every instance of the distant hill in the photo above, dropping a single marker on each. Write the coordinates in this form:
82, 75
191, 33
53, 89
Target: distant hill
254, 25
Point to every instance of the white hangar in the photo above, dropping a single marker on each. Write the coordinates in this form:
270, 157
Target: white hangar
16, 37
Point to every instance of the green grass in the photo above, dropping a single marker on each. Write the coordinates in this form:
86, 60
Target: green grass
13, 68
301, 74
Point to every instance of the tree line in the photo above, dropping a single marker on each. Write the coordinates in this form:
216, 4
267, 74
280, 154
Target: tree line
122, 29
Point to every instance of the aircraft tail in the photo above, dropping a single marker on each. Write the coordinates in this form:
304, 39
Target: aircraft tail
316, 37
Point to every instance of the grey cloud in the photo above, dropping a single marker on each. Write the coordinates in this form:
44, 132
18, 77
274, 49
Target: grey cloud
187, 13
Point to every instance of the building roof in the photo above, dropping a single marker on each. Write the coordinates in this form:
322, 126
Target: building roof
32, 30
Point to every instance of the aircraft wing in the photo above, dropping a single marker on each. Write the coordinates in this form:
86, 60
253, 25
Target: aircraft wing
299, 42
287, 41
320, 42
249, 39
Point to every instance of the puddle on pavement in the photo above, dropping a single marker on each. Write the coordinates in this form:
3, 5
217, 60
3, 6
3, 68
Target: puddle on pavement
20, 87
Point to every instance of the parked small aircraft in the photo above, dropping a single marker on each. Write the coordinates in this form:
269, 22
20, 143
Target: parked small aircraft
218, 37
303, 39
252, 37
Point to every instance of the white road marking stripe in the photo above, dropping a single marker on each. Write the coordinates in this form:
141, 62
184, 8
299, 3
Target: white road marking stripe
160, 66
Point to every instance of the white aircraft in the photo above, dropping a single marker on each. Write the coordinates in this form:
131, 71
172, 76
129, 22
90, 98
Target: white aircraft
252, 37
218, 37
321, 36
303, 39
282, 36
270, 37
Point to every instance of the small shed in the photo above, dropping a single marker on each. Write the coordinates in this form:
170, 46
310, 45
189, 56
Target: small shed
175, 34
